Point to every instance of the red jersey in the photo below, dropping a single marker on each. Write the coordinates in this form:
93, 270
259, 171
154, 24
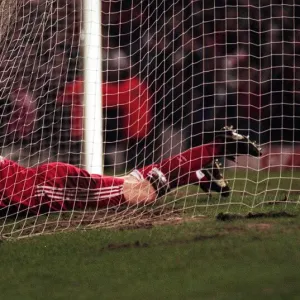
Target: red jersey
131, 96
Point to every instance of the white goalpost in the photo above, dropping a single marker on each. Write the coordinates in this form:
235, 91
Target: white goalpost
92, 87
113, 86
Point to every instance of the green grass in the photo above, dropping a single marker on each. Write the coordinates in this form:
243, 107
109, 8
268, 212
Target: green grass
202, 258
208, 259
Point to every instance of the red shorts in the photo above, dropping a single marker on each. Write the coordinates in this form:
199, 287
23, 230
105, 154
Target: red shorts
55, 187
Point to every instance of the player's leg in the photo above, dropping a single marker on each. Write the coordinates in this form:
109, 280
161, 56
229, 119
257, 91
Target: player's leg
17, 188
210, 179
231, 144
67, 187
177, 170
59, 186
182, 169
138, 192
81, 189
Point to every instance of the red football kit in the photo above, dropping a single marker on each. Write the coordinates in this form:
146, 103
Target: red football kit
59, 186
55, 187
132, 97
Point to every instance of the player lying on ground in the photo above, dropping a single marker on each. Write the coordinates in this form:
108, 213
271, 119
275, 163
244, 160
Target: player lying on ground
60, 187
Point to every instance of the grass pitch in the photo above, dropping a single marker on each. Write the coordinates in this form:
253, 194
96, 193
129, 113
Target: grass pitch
197, 257
209, 259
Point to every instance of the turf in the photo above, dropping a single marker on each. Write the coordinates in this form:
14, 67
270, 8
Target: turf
207, 259
246, 257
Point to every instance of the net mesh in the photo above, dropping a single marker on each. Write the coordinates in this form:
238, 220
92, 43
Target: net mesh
8, 10
174, 73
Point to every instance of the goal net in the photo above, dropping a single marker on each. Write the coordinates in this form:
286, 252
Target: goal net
173, 74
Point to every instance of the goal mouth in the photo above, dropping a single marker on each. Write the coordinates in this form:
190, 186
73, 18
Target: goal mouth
109, 87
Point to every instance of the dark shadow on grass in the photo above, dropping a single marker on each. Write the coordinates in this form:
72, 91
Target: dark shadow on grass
138, 244
229, 217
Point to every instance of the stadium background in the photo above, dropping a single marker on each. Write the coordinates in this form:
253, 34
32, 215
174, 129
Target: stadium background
197, 65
